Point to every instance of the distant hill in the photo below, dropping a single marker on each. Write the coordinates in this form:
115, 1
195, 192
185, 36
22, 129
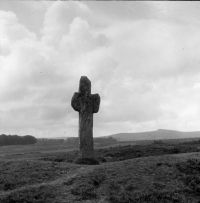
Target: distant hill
159, 134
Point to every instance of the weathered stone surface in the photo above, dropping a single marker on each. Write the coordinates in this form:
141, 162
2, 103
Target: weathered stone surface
86, 104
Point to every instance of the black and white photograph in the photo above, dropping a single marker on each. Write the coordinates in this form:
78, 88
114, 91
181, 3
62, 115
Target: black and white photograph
99, 101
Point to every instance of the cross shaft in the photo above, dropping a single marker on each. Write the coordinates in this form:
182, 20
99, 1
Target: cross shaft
86, 104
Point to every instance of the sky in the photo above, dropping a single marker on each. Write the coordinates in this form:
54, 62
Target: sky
143, 58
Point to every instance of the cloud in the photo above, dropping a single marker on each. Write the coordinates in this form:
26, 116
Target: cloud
146, 69
11, 32
37, 74
59, 17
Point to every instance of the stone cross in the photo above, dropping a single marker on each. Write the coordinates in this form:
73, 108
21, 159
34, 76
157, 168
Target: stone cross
86, 104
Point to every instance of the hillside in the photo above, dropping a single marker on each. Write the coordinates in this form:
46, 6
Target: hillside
159, 134
158, 172
158, 179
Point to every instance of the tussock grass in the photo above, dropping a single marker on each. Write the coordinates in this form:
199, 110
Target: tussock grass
41, 194
120, 153
126, 174
15, 174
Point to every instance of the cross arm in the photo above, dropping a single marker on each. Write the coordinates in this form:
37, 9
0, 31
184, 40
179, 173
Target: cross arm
95, 102
75, 102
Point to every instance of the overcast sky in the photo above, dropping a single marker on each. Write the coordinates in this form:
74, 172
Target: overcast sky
143, 58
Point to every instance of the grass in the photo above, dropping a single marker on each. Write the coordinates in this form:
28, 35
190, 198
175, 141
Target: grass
120, 153
39, 194
155, 173
142, 180
14, 174
190, 175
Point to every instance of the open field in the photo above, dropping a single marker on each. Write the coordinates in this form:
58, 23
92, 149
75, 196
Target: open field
158, 172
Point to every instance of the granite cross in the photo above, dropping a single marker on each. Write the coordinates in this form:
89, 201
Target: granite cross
86, 104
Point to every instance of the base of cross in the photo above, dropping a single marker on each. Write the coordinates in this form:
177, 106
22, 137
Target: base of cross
86, 161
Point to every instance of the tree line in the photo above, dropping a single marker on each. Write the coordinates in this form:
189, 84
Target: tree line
16, 140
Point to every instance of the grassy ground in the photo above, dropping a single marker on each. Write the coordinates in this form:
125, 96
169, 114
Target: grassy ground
119, 153
152, 173
14, 174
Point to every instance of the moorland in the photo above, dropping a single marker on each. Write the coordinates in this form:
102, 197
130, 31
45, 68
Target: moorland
156, 171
